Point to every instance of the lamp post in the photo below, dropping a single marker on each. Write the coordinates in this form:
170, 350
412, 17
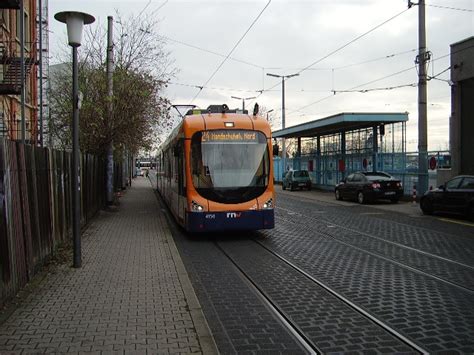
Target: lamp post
283, 77
75, 22
243, 100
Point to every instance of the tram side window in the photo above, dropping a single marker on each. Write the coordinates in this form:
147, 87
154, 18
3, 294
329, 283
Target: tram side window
179, 166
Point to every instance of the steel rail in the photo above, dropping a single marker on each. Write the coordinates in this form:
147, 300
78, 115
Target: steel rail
434, 256
358, 309
418, 271
292, 328
336, 203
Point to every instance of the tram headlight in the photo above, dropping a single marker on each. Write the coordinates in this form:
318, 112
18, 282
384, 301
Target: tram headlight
268, 204
196, 207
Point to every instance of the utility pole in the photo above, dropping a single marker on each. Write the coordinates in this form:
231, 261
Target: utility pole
423, 57
110, 93
283, 150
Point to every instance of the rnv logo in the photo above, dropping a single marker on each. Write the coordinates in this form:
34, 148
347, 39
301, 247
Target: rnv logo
233, 215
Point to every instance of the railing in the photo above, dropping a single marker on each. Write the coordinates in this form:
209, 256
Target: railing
10, 65
326, 172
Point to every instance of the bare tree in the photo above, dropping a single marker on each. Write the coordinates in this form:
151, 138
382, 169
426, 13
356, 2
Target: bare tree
142, 70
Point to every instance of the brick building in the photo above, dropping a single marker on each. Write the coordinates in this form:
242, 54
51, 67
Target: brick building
10, 70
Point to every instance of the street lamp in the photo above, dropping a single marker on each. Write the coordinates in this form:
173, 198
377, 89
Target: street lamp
75, 22
283, 77
243, 100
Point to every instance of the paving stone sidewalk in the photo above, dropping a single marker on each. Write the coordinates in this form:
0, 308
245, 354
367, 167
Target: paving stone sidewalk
132, 294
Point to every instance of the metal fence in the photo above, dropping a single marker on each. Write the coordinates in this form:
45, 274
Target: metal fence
35, 207
326, 172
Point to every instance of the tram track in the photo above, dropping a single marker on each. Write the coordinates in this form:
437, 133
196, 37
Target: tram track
381, 239
463, 273
290, 326
393, 295
329, 297
336, 204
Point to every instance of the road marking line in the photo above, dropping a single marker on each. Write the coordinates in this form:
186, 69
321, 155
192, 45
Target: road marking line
457, 222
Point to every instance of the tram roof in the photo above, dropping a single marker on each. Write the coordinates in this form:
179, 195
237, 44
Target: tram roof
348, 121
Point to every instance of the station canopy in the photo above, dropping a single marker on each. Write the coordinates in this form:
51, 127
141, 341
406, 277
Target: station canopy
339, 123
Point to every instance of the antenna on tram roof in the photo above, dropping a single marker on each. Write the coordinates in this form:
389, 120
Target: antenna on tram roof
255, 109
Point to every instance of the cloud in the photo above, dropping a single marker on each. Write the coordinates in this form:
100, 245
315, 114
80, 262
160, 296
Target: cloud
291, 35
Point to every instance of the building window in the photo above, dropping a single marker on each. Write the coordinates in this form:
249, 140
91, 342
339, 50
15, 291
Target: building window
18, 23
5, 19
26, 27
27, 31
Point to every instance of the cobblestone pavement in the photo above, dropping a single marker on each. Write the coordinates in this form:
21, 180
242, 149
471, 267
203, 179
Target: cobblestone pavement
132, 294
379, 278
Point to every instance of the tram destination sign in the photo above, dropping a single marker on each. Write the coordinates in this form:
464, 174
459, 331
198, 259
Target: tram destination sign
229, 136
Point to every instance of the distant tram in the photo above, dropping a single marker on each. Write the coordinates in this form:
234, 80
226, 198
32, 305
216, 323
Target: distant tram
215, 171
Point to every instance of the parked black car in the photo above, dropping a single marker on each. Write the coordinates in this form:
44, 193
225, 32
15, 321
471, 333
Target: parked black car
366, 186
455, 196
296, 179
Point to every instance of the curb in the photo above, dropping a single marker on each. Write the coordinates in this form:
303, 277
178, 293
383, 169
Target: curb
206, 340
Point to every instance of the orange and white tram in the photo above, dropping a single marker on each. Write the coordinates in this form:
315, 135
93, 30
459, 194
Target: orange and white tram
215, 171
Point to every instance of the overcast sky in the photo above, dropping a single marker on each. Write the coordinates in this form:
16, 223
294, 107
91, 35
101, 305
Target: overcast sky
291, 35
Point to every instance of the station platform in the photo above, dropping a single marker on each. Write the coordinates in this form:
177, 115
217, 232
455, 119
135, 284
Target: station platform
132, 294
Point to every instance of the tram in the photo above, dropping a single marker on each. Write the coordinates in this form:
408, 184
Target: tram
215, 171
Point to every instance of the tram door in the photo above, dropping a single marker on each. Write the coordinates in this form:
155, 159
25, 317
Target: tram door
180, 164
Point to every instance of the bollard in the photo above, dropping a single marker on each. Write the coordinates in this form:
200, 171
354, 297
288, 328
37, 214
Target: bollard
414, 194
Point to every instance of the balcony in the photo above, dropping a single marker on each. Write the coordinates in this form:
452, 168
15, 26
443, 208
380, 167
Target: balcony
10, 68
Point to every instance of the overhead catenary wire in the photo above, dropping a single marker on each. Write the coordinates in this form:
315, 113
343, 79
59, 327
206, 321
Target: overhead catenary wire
388, 56
367, 61
211, 52
375, 59
343, 46
309, 67
354, 40
435, 76
363, 91
212, 88
384, 77
263, 90
351, 89
232, 50
450, 8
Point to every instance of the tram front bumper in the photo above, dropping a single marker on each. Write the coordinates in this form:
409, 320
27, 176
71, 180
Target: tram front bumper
239, 220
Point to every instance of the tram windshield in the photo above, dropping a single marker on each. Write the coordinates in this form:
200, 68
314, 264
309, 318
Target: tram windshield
230, 166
